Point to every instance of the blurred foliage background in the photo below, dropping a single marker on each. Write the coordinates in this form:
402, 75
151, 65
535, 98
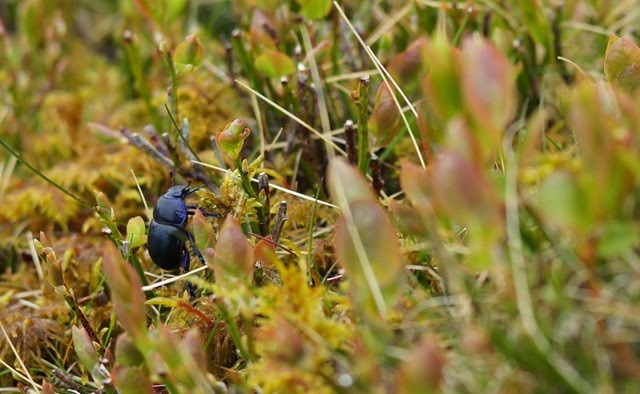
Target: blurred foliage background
415, 196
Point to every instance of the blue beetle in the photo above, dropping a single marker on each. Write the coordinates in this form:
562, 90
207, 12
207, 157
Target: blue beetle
168, 236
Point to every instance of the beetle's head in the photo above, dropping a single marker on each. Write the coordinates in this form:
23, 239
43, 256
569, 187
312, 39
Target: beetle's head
180, 191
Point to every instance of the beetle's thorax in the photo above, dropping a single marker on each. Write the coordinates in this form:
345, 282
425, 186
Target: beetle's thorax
171, 210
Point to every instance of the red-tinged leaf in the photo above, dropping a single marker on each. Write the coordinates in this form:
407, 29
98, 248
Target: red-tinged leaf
462, 140
55, 275
44, 240
126, 294
126, 352
203, 232
189, 55
209, 255
414, 181
422, 371
408, 67
194, 345
131, 380
383, 124
346, 184
282, 341
261, 31
185, 371
622, 63
84, 348
265, 251
314, 9
367, 246
47, 388
408, 222
149, 9
431, 128
234, 255
463, 192
488, 87
275, 64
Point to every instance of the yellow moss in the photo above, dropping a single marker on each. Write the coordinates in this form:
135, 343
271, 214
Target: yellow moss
298, 341
547, 163
208, 105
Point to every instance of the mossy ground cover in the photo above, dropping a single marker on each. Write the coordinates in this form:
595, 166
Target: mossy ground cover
412, 196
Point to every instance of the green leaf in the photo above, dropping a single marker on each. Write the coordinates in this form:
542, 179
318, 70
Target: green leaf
314, 9
136, 229
536, 22
617, 238
175, 8
275, 64
84, 348
231, 139
126, 352
107, 214
170, 302
368, 248
188, 55
130, 380
442, 85
561, 201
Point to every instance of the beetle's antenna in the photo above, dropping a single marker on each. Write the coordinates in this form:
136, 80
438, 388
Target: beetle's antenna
188, 191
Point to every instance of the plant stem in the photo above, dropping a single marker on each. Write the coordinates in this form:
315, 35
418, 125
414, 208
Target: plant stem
173, 94
363, 128
234, 331
246, 182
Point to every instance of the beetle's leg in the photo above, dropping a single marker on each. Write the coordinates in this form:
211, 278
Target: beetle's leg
185, 260
185, 267
192, 211
195, 248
